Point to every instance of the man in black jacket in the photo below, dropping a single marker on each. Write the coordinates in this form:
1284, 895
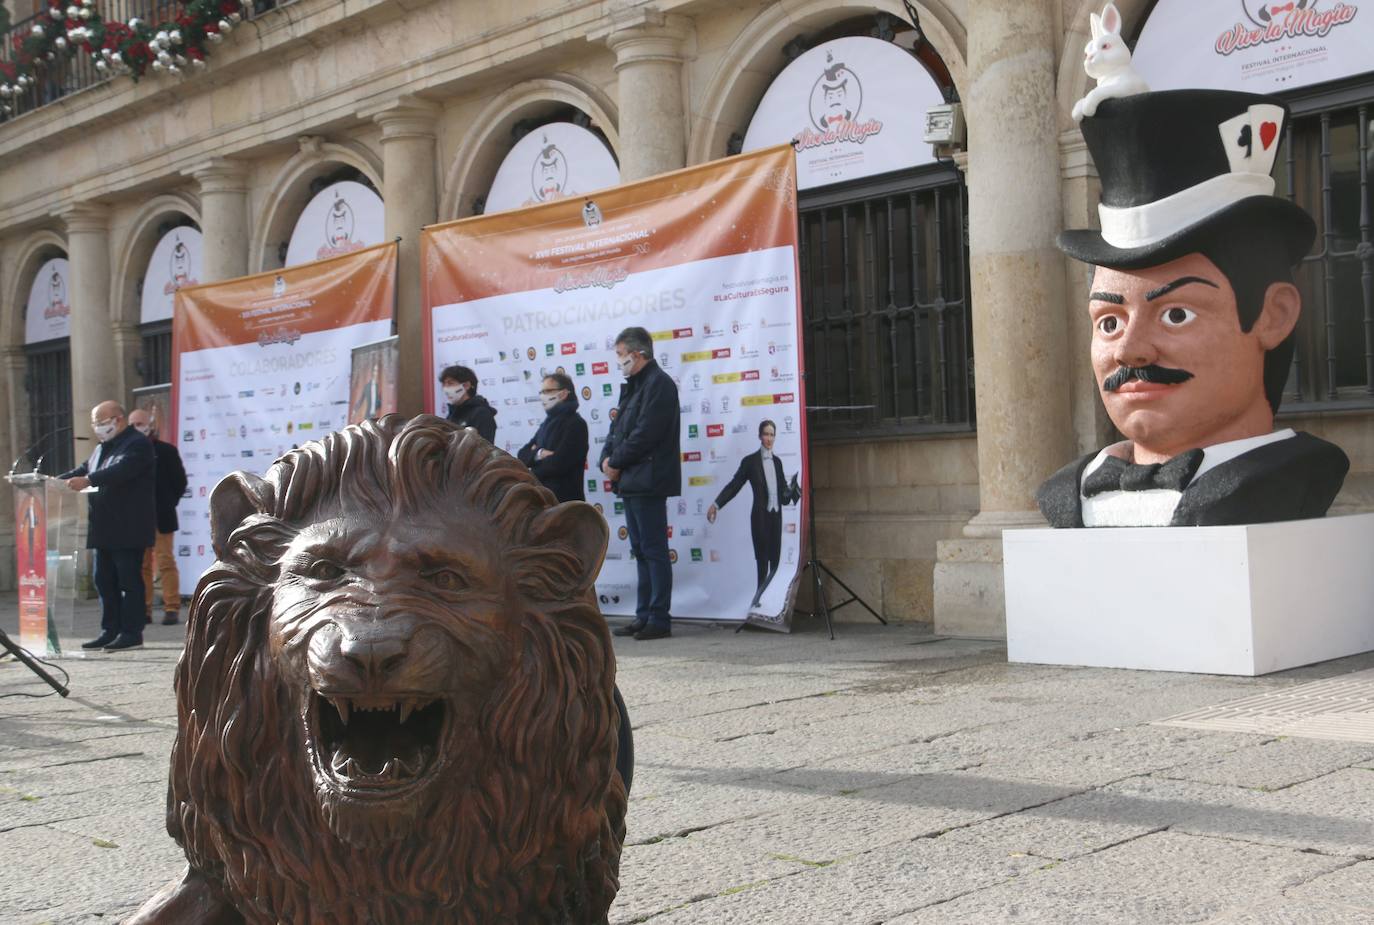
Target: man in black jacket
122, 523
643, 459
465, 407
557, 454
171, 484
763, 471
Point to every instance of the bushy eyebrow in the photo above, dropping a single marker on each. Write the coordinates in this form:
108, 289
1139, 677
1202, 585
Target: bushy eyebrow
1181, 281
1112, 297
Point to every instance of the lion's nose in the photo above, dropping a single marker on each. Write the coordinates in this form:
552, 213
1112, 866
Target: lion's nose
374, 657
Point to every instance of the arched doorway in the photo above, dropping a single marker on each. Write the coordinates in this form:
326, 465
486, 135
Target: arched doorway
48, 365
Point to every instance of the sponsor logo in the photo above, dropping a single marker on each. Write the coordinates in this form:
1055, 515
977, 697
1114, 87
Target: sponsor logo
531, 353
600, 369
687, 531
698, 356
620, 507
692, 432
606, 391
567, 349
672, 556
696, 554
740, 429
591, 214
691, 457
714, 555
697, 481
706, 406
246, 454
507, 380
622, 533
183, 551
591, 484
778, 398
586, 393
606, 485
596, 412
715, 430
188, 436
790, 528
246, 393
748, 375
548, 350
581, 369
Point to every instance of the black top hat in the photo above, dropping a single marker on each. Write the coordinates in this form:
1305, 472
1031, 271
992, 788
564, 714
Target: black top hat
1180, 166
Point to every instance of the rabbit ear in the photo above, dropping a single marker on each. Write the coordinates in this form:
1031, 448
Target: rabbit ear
1095, 24
1111, 19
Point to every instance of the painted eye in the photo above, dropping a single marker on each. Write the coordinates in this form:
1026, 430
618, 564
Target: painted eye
446, 579
324, 570
1177, 316
1109, 325
1106, 45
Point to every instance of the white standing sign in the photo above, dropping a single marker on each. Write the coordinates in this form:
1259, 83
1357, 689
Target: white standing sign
853, 107
175, 264
47, 315
1259, 47
553, 161
342, 218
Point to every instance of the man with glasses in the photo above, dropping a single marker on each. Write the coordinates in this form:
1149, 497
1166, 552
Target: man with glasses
123, 523
557, 454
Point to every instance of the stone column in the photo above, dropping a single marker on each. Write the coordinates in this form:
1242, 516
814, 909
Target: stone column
410, 191
648, 48
95, 367
1017, 275
223, 218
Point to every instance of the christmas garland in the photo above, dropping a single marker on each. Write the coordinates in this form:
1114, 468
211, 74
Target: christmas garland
134, 47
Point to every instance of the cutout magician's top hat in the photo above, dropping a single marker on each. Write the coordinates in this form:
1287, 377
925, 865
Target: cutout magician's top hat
1179, 167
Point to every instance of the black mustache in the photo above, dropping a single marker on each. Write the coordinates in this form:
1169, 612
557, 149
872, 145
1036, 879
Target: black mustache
1159, 374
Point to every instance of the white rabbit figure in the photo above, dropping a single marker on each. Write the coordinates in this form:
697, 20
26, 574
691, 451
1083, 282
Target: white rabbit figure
1107, 59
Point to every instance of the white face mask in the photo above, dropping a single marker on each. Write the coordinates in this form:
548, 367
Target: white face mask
455, 393
548, 401
626, 363
103, 432
144, 429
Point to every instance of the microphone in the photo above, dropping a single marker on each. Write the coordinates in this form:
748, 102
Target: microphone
36, 444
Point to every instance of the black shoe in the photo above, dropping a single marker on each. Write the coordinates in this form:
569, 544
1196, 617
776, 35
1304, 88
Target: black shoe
169, 618
148, 617
125, 641
99, 642
654, 632
629, 629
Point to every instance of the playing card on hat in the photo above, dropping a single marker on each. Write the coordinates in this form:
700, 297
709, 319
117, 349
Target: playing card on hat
1251, 139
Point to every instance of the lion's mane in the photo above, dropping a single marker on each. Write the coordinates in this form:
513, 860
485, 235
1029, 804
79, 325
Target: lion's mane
536, 841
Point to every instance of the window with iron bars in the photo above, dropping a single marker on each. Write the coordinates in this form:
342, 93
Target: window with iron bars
49, 384
886, 324
155, 366
1324, 165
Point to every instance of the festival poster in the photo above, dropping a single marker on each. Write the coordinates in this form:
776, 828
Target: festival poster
1257, 46
261, 365
176, 262
706, 260
555, 160
31, 554
374, 381
340, 219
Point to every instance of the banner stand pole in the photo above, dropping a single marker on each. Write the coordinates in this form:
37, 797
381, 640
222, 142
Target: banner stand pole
13, 649
818, 568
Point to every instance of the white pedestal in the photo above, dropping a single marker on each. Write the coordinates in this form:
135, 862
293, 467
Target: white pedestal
1243, 600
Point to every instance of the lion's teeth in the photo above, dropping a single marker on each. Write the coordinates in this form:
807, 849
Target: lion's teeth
338, 762
407, 707
389, 770
351, 768
341, 705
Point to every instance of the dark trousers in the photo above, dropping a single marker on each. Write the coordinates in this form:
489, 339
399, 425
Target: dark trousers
646, 519
766, 531
119, 581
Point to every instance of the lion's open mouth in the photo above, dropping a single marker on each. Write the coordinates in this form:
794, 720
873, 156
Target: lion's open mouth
376, 743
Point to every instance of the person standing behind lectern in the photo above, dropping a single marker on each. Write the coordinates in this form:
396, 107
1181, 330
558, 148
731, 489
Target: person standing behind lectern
643, 459
763, 471
171, 485
123, 522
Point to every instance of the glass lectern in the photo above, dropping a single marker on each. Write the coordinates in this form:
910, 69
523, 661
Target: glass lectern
48, 518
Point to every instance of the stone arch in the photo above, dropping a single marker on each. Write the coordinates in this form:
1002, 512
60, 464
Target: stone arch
744, 72
37, 248
137, 249
474, 164
289, 192
1072, 81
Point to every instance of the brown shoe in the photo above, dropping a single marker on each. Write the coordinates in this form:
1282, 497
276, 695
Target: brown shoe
169, 618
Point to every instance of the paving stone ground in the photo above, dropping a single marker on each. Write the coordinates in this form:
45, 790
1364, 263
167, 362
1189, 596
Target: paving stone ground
885, 777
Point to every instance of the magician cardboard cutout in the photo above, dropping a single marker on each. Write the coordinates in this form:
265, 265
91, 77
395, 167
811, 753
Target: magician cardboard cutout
1193, 309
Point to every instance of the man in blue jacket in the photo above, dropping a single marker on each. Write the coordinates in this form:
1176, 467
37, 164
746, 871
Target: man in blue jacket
643, 459
123, 523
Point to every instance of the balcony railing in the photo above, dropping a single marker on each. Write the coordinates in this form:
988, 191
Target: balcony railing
73, 70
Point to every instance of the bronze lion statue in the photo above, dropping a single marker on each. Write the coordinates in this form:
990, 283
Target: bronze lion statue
396, 703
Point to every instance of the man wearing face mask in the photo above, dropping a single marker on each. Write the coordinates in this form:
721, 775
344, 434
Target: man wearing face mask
123, 522
643, 459
171, 484
465, 407
557, 454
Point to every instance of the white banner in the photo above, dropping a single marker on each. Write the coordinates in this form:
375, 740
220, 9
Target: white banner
1258, 47
342, 218
47, 316
175, 264
855, 107
553, 161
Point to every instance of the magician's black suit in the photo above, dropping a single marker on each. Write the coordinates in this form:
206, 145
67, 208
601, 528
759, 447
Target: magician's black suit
1289, 479
765, 526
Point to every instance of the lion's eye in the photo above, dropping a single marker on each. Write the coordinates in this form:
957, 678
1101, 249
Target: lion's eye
324, 570
446, 579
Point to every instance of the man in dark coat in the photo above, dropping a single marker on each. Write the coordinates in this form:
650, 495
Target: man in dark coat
171, 485
643, 459
123, 521
557, 454
465, 407
763, 471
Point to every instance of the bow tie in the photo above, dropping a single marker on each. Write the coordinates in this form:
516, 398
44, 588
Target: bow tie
1118, 475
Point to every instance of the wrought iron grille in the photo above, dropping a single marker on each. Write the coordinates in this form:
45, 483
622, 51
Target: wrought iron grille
1325, 166
49, 384
887, 327
156, 364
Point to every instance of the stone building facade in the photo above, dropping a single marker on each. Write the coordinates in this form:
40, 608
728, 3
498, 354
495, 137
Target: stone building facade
421, 99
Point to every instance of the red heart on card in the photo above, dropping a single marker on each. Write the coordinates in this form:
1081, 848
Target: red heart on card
1268, 132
